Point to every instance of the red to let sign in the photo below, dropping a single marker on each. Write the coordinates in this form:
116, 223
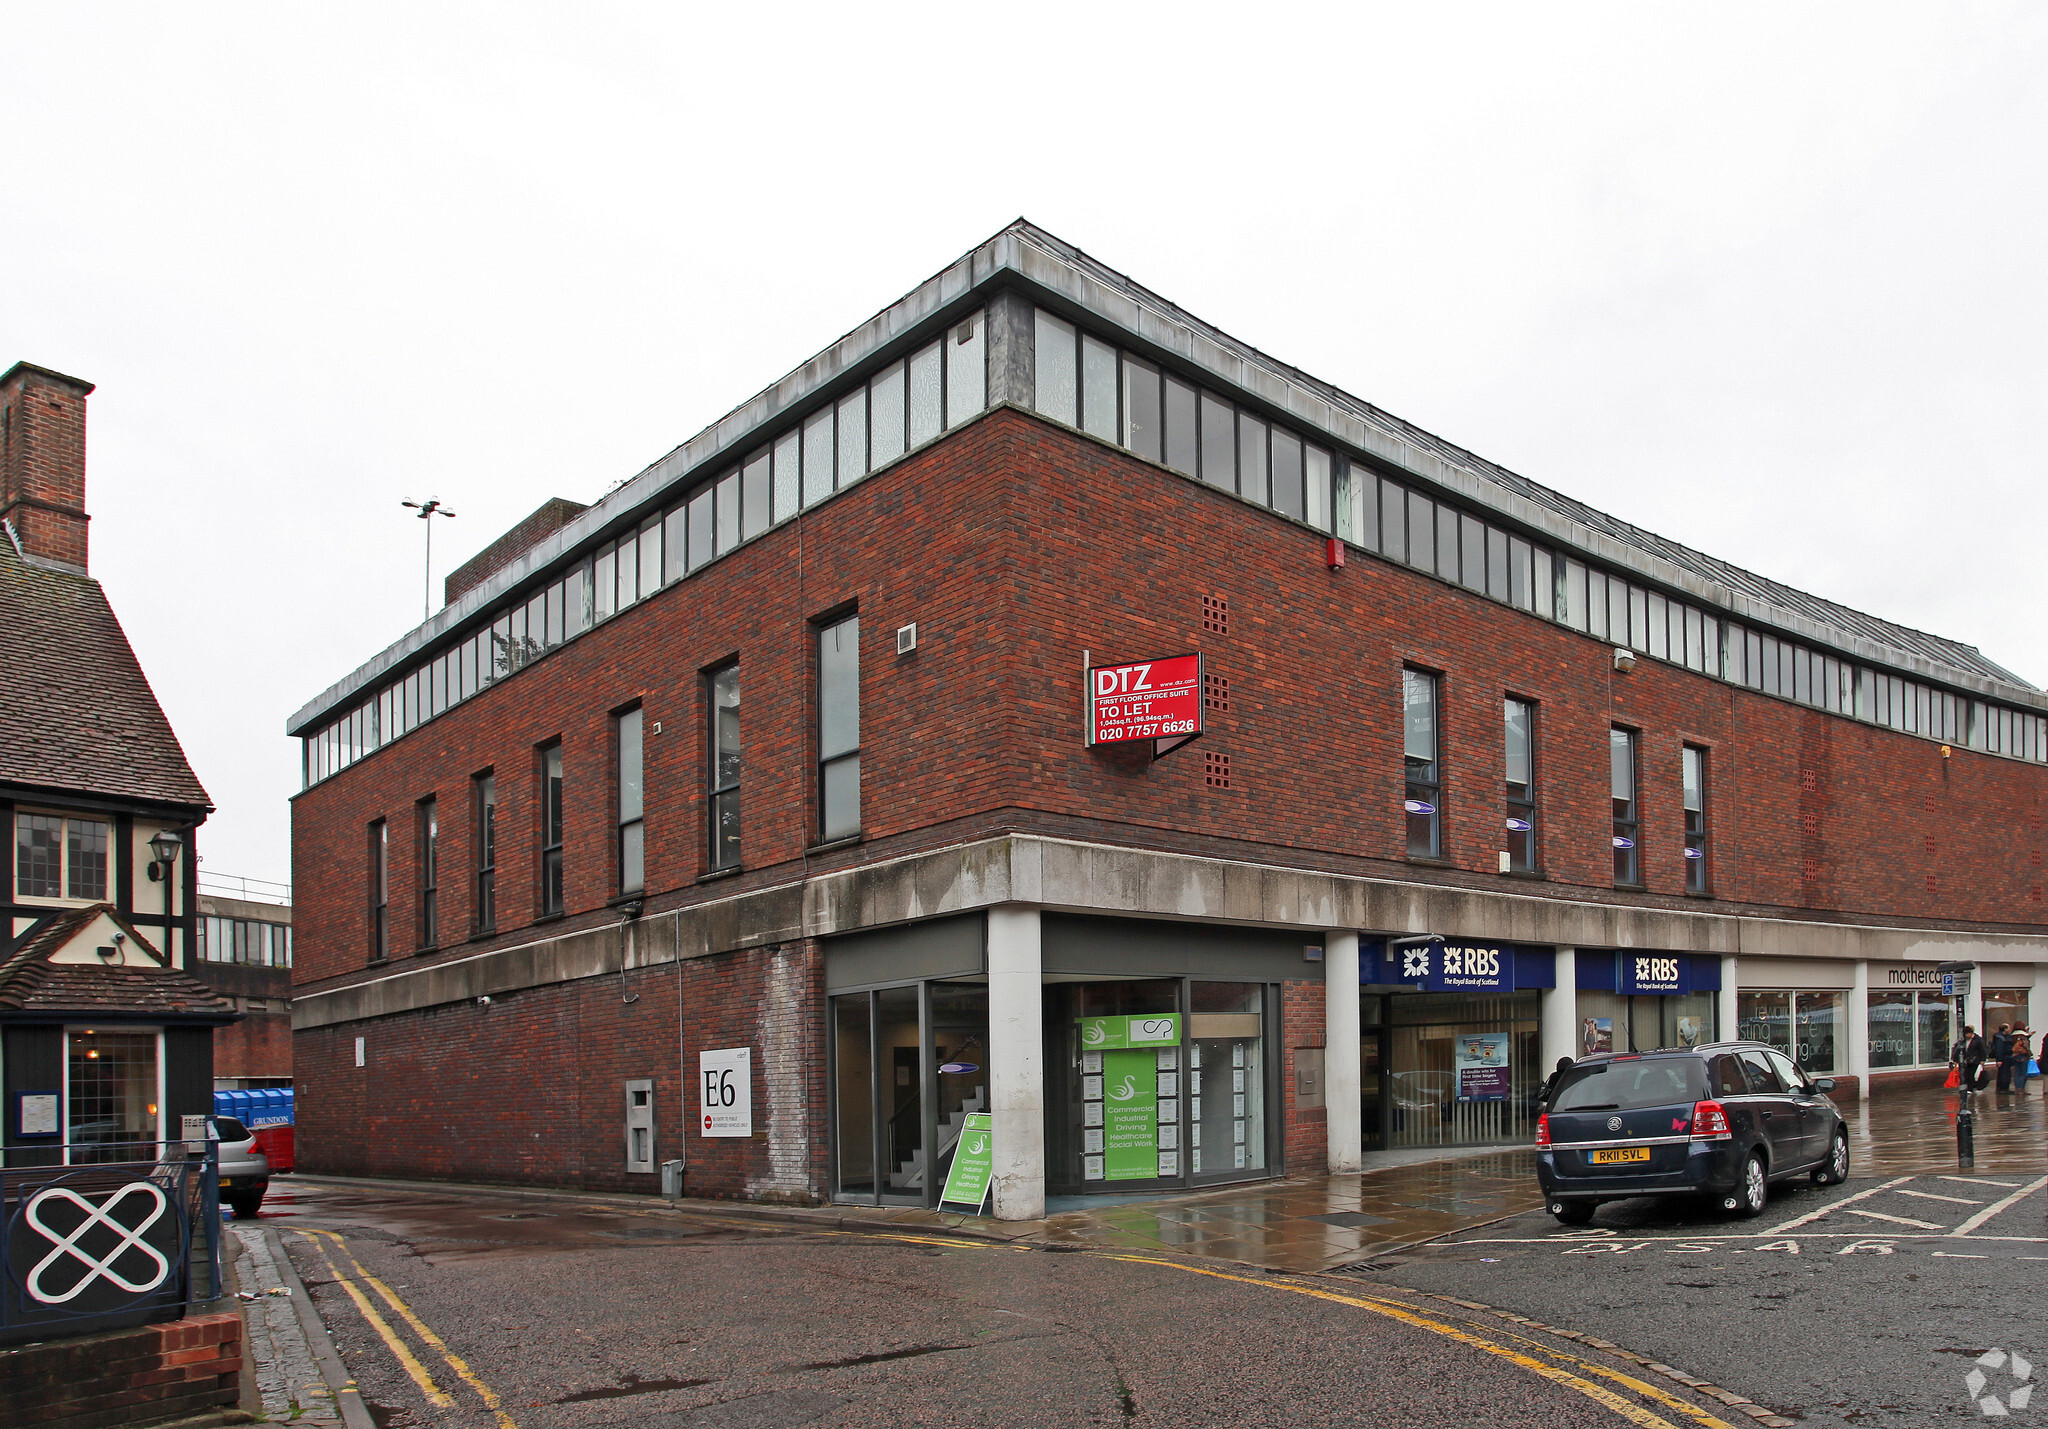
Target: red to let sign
1147, 699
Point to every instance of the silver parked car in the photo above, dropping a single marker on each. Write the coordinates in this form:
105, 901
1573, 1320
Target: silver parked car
244, 1171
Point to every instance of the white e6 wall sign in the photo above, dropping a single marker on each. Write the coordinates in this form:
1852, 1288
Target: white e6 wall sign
725, 1091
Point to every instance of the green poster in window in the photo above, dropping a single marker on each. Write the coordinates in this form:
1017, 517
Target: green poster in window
1130, 1114
973, 1159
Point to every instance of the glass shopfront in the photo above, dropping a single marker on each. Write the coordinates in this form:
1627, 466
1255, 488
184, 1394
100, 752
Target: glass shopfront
1808, 1027
1450, 1040
1634, 1001
1159, 1083
909, 1064
1909, 1029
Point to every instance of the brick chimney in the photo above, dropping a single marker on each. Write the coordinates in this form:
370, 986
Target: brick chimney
42, 461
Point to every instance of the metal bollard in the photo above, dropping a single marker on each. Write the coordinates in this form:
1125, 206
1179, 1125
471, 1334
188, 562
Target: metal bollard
1966, 1134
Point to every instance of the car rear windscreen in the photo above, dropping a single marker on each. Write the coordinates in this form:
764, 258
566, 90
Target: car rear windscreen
1624, 1086
230, 1129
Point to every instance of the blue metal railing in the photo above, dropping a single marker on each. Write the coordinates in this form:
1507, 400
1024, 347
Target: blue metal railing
127, 1234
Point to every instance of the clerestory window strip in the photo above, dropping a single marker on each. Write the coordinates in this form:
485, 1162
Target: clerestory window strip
1090, 384
906, 404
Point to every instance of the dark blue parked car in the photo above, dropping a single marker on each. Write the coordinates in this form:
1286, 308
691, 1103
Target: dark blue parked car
1723, 1121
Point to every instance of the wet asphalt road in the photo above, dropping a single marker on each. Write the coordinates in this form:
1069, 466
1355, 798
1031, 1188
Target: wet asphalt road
570, 1313
1871, 1314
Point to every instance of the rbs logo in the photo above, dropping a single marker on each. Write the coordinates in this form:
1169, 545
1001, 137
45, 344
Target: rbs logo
1471, 962
1660, 972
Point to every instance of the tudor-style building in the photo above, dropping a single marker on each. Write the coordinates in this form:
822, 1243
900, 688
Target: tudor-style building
105, 1038
760, 815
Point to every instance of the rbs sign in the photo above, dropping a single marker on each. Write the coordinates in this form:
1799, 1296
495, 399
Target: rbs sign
1149, 699
1649, 973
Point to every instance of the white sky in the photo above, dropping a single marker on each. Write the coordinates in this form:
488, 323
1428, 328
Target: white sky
1764, 279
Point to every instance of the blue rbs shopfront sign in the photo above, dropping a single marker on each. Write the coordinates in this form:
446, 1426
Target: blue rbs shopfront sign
1441, 966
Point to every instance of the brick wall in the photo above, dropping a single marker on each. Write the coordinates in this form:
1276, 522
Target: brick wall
1303, 1028
42, 461
529, 1090
1015, 546
145, 1375
553, 514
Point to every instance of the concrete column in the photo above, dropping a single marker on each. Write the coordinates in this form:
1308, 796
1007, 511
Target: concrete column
2037, 1006
1558, 1027
1730, 1020
1859, 1028
1973, 1007
1012, 361
1016, 1062
1342, 1113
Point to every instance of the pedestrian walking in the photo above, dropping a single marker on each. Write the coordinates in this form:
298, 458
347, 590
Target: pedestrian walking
1967, 1056
2022, 1055
2001, 1055
1564, 1064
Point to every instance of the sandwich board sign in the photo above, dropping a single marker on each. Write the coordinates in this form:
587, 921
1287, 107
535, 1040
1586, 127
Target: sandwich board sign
974, 1158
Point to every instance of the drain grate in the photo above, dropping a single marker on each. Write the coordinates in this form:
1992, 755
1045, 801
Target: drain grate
1363, 1267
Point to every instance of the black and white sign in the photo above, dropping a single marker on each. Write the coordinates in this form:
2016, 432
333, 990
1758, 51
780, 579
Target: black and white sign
725, 1091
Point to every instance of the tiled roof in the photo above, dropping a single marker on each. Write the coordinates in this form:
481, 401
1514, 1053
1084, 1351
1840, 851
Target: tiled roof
76, 711
30, 982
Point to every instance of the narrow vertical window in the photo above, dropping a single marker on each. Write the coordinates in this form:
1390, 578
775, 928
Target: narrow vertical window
632, 829
38, 856
380, 890
1695, 772
1423, 804
85, 853
1521, 786
551, 830
429, 873
724, 773
839, 729
1055, 354
1621, 756
486, 853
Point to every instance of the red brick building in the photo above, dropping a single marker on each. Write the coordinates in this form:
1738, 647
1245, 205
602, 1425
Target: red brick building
750, 817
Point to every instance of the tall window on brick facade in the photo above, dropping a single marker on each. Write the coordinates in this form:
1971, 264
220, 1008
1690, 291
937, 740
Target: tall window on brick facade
1423, 802
486, 853
380, 890
429, 872
1521, 786
1694, 761
839, 729
723, 775
632, 803
1621, 760
551, 830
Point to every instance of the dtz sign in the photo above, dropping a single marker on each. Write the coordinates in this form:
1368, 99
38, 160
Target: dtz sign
1147, 699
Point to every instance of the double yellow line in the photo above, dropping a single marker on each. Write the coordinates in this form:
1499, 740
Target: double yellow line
398, 1347
1393, 1310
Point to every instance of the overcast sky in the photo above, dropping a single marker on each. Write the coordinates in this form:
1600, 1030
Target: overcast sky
1763, 279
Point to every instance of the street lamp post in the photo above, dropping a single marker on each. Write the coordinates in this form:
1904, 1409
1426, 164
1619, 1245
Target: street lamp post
164, 845
428, 509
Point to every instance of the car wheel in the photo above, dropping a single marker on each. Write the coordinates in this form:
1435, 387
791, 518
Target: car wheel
1835, 1170
244, 1207
1753, 1191
1572, 1213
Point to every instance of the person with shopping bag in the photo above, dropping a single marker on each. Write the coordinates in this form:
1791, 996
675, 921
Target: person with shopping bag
1966, 1060
2022, 1057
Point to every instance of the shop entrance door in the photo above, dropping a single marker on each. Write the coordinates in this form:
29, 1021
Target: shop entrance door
909, 1065
1372, 1062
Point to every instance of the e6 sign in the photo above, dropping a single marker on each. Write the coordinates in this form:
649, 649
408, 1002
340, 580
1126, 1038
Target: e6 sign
725, 1092
1146, 699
